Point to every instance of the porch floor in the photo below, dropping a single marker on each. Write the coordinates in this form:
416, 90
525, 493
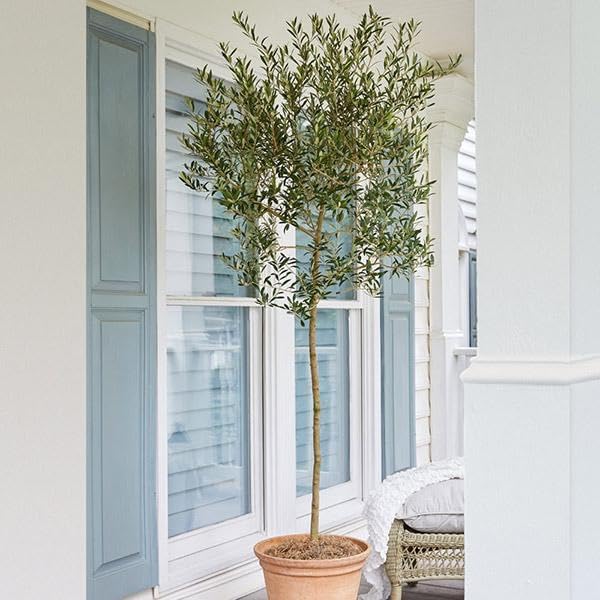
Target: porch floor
427, 590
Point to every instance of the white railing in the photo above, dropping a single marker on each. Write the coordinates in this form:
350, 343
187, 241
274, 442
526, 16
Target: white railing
467, 352
463, 355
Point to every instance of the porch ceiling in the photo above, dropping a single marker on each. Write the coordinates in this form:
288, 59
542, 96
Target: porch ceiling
447, 24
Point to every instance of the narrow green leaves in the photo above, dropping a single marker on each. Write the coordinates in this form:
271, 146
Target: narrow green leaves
324, 135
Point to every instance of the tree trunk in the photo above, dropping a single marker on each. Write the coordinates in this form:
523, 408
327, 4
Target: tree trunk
314, 378
316, 396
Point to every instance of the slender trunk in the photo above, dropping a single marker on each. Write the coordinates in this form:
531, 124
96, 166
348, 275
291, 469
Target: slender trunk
316, 395
314, 378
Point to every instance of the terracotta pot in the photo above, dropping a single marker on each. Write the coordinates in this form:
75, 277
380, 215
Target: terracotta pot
329, 579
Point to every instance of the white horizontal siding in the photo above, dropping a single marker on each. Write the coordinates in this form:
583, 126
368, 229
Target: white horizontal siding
422, 400
467, 185
198, 230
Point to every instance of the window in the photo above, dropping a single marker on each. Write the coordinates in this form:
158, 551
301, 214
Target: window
224, 403
333, 357
209, 466
339, 359
212, 351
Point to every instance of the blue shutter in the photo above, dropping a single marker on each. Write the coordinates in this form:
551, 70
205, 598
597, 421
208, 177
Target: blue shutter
473, 298
121, 309
397, 368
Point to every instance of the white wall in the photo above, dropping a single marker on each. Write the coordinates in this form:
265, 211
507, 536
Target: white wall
42, 316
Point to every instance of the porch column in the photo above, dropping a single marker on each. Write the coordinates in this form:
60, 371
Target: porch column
532, 398
451, 114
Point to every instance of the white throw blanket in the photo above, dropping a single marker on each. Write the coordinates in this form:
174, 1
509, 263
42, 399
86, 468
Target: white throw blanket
382, 506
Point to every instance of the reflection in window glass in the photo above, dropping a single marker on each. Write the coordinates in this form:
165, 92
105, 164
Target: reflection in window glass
198, 229
207, 346
343, 243
332, 352
208, 394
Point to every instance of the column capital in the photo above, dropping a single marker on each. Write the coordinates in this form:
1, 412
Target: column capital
452, 110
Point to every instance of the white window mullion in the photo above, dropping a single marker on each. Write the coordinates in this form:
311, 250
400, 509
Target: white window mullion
356, 402
280, 415
371, 393
280, 419
161, 290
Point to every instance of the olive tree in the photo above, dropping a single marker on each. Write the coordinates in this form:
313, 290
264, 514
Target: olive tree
324, 136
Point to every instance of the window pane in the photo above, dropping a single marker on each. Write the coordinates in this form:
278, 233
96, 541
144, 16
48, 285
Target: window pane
198, 229
332, 352
208, 422
344, 245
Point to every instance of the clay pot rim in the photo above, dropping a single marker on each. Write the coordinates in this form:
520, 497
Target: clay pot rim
312, 562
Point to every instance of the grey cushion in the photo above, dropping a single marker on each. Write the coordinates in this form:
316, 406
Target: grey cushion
436, 508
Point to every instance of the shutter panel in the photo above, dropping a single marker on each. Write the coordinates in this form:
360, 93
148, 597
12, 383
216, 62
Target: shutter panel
121, 309
473, 298
397, 368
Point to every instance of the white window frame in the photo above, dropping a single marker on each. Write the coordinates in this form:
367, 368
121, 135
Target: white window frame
201, 552
205, 561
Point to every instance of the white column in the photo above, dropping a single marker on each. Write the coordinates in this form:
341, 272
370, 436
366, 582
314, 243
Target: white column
451, 114
43, 302
533, 395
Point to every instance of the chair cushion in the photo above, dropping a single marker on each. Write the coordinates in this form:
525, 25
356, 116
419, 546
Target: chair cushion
436, 508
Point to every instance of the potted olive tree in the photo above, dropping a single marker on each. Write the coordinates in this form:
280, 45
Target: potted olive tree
323, 137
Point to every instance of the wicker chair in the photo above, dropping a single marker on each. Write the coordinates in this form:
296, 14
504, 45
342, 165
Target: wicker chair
414, 556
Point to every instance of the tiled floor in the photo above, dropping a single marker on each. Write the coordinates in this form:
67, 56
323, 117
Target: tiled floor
430, 590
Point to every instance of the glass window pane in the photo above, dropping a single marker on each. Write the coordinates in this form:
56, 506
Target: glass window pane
198, 229
344, 242
332, 352
208, 416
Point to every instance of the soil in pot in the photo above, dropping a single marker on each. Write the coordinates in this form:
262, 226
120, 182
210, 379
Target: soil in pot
322, 548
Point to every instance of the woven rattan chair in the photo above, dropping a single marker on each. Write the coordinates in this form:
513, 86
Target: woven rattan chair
414, 556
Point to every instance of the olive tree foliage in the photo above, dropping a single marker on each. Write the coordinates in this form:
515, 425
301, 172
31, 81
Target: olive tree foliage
324, 135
